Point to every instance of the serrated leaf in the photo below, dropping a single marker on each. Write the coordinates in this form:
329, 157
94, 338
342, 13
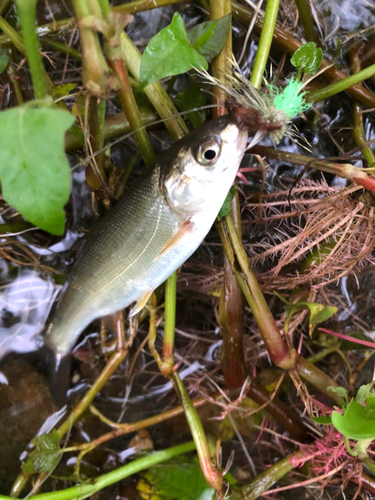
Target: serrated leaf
323, 420
227, 205
190, 99
34, 171
208, 38
307, 58
169, 53
3, 59
180, 479
46, 455
356, 423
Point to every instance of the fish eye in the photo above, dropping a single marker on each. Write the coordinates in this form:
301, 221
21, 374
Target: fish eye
207, 153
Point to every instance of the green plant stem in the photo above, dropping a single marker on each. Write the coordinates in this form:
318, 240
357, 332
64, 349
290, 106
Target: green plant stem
94, 67
213, 477
265, 42
111, 366
266, 479
369, 464
27, 11
155, 92
14, 81
88, 489
169, 322
358, 128
95, 173
127, 428
345, 170
316, 377
130, 109
117, 62
218, 10
114, 126
341, 86
4, 4
291, 44
13, 36
61, 47
307, 21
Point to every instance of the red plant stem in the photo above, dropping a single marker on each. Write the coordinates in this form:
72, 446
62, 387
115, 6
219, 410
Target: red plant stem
347, 337
281, 413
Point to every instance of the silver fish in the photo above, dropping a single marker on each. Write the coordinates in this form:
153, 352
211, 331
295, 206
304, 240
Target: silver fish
152, 230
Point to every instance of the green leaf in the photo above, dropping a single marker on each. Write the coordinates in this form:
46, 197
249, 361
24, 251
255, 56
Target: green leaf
356, 423
363, 392
189, 99
323, 420
169, 53
3, 59
180, 478
307, 58
340, 391
46, 455
209, 38
62, 90
318, 312
227, 205
34, 171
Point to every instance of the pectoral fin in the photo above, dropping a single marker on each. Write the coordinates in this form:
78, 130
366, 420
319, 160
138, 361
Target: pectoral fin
140, 304
186, 228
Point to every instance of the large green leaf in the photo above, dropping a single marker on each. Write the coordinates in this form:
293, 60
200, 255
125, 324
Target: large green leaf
34, 171
169, 53
358, 422
208, 38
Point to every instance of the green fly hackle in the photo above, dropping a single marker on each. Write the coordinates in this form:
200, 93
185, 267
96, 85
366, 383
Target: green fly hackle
276, 107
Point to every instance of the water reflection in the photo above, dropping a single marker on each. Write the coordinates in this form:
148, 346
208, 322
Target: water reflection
24, 307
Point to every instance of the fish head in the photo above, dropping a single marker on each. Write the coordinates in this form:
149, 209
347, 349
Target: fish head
201, 167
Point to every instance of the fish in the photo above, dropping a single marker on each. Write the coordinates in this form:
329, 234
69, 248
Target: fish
154, 228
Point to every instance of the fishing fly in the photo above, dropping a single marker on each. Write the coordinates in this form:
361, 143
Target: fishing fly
269, 111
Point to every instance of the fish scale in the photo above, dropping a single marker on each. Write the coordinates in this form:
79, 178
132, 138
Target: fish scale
157, 224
